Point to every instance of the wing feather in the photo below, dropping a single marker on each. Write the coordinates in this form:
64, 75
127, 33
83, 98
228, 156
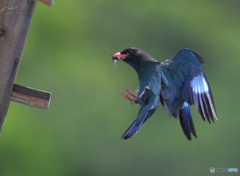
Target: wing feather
184, 80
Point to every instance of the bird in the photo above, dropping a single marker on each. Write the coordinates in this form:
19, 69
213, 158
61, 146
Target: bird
176, 84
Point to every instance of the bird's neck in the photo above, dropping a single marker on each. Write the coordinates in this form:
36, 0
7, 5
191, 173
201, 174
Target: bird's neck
134, 65
147, 75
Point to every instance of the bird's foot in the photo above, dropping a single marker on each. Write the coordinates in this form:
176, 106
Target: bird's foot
132, 100
132, 94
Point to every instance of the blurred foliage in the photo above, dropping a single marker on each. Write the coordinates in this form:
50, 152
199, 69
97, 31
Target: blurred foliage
68, 53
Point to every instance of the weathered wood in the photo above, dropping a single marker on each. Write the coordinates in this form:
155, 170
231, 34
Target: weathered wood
30, 96
15, 19
47, 2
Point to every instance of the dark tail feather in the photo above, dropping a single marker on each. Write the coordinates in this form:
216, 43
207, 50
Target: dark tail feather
133, 129
186, 121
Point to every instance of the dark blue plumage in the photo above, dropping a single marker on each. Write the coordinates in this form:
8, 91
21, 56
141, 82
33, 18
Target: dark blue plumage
175, 83
186, 121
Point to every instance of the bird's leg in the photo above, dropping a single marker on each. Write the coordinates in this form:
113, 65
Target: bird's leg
132, 100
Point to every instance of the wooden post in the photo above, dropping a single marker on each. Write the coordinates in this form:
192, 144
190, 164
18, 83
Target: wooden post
15, 19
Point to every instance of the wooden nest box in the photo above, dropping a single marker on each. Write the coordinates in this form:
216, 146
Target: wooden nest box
15, 20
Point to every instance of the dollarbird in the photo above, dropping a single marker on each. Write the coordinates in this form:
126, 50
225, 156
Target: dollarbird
176, 84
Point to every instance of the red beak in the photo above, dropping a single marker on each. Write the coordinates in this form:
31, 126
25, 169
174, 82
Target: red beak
119, 56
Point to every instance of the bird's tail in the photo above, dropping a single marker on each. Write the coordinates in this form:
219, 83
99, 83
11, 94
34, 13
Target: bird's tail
134, 128
186, 121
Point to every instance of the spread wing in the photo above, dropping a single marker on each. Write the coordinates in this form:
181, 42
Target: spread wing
184, 81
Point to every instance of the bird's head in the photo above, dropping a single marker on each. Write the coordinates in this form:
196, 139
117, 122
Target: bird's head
133, 56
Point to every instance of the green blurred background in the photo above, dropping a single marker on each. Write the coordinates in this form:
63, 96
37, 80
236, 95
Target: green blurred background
68, 53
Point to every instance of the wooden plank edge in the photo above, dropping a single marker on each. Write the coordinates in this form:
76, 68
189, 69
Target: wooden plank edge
31, 97
47, 2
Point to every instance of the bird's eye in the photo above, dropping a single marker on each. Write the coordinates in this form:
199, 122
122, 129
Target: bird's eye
130, 51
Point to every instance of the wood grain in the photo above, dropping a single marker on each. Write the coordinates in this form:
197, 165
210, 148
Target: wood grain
15, 19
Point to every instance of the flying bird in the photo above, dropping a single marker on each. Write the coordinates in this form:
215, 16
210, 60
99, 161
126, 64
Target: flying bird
176, 84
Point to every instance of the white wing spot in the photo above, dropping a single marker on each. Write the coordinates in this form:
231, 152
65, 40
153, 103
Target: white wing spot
199, 84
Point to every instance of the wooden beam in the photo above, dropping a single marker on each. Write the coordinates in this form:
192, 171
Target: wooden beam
30, 96
47, 2
15, 19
